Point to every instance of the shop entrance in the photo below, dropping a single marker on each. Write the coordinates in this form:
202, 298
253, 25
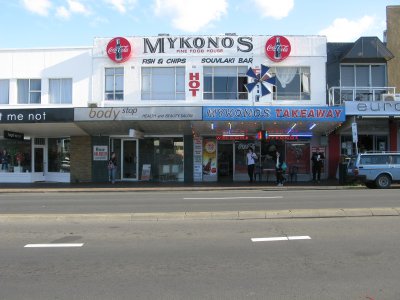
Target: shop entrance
126, 151
225, 161
39, 164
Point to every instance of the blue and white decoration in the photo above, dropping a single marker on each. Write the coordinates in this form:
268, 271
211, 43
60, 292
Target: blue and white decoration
261, 79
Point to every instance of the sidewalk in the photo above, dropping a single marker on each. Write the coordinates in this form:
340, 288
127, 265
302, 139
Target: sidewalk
48, 187
39, 187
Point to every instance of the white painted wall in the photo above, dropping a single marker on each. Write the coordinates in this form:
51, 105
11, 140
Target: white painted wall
45, 64
307, 51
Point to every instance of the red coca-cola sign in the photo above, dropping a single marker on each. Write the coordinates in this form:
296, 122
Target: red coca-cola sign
119, 49
277, 48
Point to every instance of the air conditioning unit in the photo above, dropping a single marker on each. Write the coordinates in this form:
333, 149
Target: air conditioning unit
388, 97
92, 104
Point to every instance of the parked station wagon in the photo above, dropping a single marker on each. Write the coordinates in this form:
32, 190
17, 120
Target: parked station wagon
376, 170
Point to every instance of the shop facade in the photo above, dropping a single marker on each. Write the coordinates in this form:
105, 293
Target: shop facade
173, 108
357, 76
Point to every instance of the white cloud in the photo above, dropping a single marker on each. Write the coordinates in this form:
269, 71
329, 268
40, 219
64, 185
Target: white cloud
40, 7
74, 7
121, 5
277, 9
344, 30
191, 15
77, 7
62, 13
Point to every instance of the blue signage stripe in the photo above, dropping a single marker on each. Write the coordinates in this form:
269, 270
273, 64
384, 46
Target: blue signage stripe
274, 113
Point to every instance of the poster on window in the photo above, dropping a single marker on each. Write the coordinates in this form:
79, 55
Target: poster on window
298, 155
209, 159
100, 152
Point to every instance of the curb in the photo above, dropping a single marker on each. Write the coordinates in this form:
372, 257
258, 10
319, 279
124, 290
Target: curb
166, 189
218, 215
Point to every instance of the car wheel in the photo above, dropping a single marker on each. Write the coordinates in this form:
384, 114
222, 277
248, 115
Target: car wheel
383, 181
370, 185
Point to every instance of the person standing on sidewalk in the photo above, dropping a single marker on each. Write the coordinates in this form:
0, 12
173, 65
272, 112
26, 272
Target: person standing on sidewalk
278, 169
317, 162
112, 167
251, 160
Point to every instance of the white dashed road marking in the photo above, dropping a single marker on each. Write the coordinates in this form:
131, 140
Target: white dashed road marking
281, 238
52, 245
222, 198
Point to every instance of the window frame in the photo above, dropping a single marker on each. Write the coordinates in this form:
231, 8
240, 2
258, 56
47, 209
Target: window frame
31, 91
178, 77
302, 95
60, 87
370, 73
117, 95
240, 77
6, 84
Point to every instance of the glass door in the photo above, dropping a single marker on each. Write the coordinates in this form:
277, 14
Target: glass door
39, 163
129, 166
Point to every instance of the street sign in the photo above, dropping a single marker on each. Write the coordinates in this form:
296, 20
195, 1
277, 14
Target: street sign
354, 132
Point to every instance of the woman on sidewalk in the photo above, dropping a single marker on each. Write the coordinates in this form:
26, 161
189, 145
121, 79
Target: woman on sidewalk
112, 167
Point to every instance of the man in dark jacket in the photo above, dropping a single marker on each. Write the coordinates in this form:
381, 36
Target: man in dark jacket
317, 163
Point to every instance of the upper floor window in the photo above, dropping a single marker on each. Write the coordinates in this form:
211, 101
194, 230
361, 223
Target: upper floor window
4, 91
114, 83
166, 83
29, 91
292, 83
363, 75
363, 79
60, 91
223, 83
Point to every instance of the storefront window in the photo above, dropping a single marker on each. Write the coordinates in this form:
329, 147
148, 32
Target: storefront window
366, 143
241, 148
166, 157
298, 157
15, 156
59, 155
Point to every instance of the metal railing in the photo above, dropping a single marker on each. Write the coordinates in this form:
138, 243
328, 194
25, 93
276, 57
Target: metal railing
338, 95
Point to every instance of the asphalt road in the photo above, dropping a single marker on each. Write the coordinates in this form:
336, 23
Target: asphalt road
194, 201
351, 258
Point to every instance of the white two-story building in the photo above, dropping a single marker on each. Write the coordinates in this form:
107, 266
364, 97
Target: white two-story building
181, 108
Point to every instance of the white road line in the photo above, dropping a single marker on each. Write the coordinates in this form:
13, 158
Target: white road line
222, 198
271, 239
52, 245
299, 237
281, 238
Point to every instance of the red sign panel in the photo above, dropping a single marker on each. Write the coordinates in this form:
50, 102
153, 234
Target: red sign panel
119, 50
277, 48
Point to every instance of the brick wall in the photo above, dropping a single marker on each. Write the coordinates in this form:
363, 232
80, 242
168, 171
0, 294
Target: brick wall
393, 44
81, 159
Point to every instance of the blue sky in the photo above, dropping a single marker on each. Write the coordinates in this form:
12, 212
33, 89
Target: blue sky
64, 23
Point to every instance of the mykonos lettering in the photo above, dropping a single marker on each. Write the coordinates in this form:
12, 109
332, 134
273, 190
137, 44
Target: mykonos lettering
243, 44
236, 112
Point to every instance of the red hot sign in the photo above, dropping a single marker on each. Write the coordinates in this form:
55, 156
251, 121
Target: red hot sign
194, 83
277, 48
119, 49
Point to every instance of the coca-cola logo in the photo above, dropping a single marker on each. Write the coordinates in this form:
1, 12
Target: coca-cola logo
119, 49
277, 48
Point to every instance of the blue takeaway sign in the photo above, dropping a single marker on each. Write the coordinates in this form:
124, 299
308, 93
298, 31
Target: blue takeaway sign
274, 113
